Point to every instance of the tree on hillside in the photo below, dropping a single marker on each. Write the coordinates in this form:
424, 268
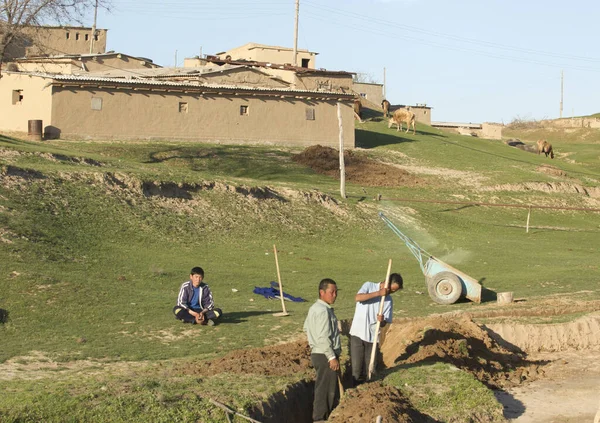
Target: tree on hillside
21, 19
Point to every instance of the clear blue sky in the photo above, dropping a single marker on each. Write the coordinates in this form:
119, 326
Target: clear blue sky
471, 60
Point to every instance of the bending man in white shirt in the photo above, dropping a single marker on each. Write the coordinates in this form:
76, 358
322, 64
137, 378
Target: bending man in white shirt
362, 331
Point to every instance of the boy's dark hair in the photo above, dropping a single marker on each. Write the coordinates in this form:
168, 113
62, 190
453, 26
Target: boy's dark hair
325, 283
396, 278
197, 271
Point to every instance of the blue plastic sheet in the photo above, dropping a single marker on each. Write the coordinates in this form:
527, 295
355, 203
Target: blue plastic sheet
271, 292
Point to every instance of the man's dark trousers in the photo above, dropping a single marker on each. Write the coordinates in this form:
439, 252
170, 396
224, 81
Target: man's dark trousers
182, 314
326, 388
360, 358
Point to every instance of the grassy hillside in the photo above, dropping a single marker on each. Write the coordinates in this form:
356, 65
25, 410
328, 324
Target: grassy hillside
96, 237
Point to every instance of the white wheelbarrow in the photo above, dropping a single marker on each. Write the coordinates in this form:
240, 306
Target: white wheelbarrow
445, 284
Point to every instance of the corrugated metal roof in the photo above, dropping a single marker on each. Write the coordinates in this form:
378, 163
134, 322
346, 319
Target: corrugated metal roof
160, 83
160, 72
80, 56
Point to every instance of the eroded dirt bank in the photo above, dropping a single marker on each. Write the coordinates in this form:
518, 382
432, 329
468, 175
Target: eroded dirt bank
581, 334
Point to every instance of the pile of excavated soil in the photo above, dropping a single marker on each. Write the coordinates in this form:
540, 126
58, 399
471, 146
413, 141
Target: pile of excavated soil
275, 360
371, 400
358, 169
454, 338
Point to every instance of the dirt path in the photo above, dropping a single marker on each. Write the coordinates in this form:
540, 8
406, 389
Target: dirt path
570, 392
570, 389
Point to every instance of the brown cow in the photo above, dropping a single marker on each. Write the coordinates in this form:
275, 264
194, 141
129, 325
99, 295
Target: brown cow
545, 147
402, 115
385, 105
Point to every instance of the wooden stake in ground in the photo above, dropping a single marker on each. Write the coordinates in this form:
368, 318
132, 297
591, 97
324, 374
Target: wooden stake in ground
230, 411
284, 312
341, 152
528, 215
376, 338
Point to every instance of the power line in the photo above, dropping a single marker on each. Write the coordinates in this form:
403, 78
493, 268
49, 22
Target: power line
436, 44
361, 17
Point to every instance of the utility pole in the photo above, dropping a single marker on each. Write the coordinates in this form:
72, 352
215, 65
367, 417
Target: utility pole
294, 59
341, 152
562, 79
175, 58
94, 28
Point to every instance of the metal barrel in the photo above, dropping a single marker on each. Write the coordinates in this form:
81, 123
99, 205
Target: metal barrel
34, 129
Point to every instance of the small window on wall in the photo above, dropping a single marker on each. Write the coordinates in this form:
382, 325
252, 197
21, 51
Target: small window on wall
244, 110
77, 36
424, 112
96, 103
17, 96
68, 35
310, 113
87, 37
305, 63
183, 107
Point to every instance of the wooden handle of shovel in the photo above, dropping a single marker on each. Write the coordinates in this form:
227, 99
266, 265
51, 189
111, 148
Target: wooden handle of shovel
371, 369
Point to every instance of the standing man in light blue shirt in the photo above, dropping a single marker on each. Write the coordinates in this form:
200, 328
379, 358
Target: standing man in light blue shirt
321, 327
362, 331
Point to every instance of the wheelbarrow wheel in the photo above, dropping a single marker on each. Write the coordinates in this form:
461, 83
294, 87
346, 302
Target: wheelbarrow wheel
444, 287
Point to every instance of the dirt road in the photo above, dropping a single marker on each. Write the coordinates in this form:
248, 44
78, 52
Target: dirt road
570, 392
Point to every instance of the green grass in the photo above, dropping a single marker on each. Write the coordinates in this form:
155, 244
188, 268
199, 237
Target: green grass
92, 261
446, 393
157, 397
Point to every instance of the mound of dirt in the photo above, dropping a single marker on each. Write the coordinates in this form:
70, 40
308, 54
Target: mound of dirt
551, 170
275, 360
368, 401
454, 338
358, 169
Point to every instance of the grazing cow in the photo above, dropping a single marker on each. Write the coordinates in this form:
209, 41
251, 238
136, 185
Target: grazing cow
358, 109
385, 105
545, 147
402, 115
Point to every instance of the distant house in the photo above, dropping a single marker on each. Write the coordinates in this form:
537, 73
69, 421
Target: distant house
56, 40
422, 113
486, 130
369, 91
270, 54
89, 106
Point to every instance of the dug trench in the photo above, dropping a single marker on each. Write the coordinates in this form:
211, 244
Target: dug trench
497, 354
